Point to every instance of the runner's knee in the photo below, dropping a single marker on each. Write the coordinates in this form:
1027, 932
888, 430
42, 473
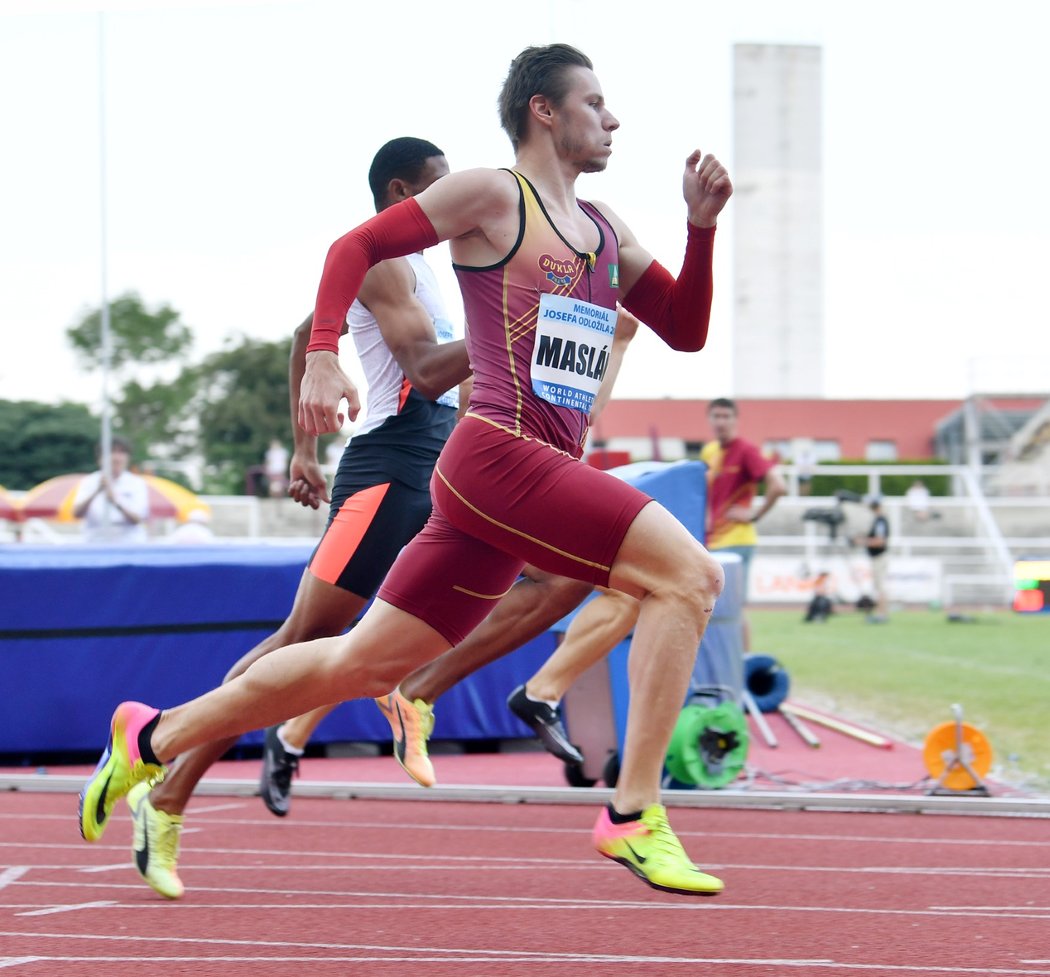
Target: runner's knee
698, 579
711, 577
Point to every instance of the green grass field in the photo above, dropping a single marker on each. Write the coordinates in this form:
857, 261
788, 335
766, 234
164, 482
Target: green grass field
903, 677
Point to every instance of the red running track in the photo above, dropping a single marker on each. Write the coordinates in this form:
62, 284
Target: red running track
388, 888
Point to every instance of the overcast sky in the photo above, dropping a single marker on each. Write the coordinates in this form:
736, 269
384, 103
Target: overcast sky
238, 138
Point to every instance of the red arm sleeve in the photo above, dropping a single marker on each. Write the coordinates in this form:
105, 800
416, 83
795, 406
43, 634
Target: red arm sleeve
397, 231
678, 311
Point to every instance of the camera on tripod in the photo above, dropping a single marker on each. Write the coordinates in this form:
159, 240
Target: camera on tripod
832, 518
829, 517
822, 603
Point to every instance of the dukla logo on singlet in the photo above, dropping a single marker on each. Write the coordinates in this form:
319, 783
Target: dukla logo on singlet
561, 271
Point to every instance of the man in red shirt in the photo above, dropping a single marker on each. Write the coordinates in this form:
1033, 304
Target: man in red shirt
735, 469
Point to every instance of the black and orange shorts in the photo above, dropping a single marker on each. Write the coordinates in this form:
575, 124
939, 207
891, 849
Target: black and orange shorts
368, 527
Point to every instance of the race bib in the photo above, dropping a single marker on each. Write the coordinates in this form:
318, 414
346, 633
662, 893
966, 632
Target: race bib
446, 332
573, 343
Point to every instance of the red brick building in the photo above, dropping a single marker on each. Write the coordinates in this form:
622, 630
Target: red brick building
876, 430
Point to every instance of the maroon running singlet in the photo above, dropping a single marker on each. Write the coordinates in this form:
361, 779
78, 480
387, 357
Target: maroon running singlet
509, 488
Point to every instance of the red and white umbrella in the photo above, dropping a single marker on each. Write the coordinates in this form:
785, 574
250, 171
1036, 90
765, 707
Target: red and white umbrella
54, 499
8, 506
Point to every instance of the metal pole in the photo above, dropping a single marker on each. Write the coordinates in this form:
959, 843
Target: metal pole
972, 429
106, 338
760, 720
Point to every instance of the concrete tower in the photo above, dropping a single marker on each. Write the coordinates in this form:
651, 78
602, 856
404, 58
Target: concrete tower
778, 329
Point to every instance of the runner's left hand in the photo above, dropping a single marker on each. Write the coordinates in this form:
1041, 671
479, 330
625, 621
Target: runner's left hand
706, 187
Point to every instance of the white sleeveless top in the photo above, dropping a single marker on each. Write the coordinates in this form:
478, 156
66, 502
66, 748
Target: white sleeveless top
385, 378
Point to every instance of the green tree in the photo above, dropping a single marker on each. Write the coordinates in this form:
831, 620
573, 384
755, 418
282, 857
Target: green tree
153, 416
160, 416
241, 405
226, 409
44, 440
137, 334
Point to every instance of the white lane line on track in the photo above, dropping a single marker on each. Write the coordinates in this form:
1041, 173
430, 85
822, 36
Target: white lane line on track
440, 957
212, 808
502, 828
473, 863
385, 901
20, 961
52, 910
464, 955
12, 874
1008, 872
627, 962
462, 960
998, 909
506, 861
482, 865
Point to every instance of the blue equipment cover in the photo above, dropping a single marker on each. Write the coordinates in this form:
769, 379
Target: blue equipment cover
83, 628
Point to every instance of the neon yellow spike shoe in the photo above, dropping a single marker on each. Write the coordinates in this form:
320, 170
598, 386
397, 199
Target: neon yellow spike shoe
411, 723
650, 849
155, 850
119, 769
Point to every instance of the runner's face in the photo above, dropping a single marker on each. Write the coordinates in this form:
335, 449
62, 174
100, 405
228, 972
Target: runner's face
583, 126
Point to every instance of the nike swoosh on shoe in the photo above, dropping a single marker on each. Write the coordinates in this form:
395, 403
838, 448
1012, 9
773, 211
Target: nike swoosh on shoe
641, 859
142, 854
401, 741
100, 804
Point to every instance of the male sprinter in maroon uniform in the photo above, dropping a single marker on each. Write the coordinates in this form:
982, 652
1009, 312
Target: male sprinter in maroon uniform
380, 500
540, 273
